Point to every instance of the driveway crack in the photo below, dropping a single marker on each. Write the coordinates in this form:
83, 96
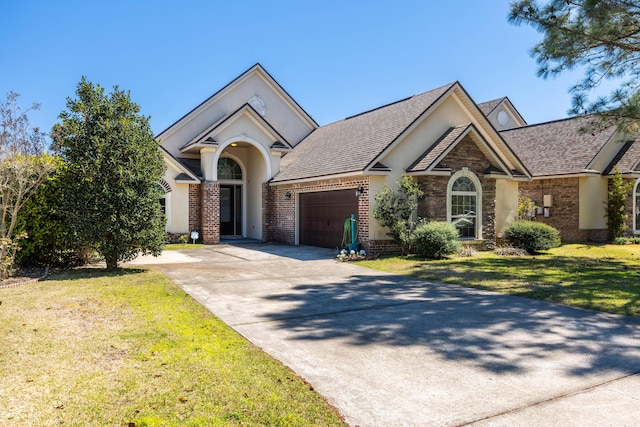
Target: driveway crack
551, 399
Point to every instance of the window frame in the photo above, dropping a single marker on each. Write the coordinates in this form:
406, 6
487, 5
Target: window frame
466, 173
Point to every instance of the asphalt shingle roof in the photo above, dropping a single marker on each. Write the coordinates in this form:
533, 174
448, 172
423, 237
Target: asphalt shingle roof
350, 145
628, 159
449, 137
489, 106
557, 148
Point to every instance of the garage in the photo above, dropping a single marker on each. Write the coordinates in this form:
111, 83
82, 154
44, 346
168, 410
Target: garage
322, 216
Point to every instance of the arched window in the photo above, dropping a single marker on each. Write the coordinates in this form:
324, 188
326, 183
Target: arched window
636, 208
464, 204
164, 189
229, 169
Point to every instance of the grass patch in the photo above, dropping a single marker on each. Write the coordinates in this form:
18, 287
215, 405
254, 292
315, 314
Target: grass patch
94, 348
599, 277
181, 246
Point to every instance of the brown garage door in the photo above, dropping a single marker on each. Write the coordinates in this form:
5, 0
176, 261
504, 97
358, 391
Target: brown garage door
322, 216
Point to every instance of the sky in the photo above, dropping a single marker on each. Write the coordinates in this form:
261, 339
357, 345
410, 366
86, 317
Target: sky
335, 58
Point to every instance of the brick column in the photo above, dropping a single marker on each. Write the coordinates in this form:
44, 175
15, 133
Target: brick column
210, 212
195, 204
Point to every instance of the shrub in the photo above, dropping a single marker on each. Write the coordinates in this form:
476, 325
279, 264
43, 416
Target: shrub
395, 210
467, 251
436, 239
40, 218
616, 201
627, 240
8, 249
509, 251
532, 236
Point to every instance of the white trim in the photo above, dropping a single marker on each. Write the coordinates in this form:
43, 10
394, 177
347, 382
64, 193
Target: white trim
569, 175
167, 209
478, 194
319, 178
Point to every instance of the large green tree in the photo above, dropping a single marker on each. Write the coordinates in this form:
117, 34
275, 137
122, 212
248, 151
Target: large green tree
113, 166
601, 37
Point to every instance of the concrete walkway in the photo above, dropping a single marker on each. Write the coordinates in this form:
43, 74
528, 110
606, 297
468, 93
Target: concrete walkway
389, 350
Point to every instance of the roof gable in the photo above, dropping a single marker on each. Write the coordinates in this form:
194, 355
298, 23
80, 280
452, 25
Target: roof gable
186, 174
255, 87
208, 136
502, 113
627, 160
360, 143
430, 161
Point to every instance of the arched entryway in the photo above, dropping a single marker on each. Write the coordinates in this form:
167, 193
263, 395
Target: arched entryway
231, 178
242, 167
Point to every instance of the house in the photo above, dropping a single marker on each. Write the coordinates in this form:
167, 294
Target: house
250, 162
571, 169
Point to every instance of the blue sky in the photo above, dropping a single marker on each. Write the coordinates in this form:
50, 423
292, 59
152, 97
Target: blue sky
336, 58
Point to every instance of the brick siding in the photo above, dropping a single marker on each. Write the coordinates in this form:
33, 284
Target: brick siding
565, 210
210, 212
195, 217
433, 205
279, 212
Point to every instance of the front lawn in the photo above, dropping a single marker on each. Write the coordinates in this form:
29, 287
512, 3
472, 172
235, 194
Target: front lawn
91, 348
599, 277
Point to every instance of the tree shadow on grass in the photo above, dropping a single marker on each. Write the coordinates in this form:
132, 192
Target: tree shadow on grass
90, 273
498, 333
602, 284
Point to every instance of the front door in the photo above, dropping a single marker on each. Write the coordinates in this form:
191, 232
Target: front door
231, 210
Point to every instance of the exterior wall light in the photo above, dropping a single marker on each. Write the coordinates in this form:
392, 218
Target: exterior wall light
359, 191
287, 196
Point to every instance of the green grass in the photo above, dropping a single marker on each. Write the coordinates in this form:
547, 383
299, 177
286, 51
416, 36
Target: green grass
599, 277
95, 348
181, 246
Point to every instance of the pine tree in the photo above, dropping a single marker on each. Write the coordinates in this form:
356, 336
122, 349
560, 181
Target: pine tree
602, 37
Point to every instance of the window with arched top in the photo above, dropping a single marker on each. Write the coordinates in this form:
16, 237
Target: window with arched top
229, 169
464, 204
164, 190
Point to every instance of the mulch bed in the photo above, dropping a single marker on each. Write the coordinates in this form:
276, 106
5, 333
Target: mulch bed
24, 276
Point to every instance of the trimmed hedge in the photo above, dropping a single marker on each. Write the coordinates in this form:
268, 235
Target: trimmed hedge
532, 236
436, 239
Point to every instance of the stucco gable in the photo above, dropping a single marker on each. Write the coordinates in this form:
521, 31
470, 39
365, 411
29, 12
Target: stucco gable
502, 113
255, 87
210, 136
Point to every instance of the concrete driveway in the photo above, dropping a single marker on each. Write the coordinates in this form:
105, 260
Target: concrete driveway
388, 350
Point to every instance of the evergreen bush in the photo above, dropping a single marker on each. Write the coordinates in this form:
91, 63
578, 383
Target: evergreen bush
436, 239
532, 236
